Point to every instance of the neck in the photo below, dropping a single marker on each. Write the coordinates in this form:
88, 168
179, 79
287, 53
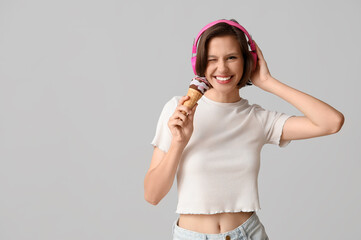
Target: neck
230, 97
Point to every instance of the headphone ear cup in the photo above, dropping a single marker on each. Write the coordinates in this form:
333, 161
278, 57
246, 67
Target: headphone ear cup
193, 60
254, 55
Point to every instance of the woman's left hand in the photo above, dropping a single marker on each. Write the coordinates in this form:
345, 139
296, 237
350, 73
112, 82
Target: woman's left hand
261, 74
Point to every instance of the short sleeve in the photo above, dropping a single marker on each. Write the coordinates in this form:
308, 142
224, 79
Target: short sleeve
272, 123
163, 135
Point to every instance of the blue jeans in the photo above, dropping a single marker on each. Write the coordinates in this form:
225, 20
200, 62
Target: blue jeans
252, 229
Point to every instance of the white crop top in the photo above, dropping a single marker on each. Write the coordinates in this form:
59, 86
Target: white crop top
218, 169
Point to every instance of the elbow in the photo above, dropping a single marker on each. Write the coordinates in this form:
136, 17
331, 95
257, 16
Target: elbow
338, 123
153, 191
150, 200
148, 196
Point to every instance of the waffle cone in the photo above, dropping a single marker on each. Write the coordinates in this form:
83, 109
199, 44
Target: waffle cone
194, 96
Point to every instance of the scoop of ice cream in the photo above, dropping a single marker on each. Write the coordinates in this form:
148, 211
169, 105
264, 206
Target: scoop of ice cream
200, 83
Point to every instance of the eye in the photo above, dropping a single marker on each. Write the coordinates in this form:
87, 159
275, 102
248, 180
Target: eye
232, 57
210, 60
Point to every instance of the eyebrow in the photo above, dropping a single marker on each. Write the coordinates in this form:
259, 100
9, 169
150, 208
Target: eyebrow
226, 55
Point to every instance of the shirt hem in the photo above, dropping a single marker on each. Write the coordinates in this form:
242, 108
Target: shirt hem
222, 211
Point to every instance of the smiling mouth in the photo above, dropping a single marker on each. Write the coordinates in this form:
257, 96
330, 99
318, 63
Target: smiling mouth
223, 80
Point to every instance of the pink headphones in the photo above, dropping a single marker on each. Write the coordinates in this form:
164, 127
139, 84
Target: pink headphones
250, 42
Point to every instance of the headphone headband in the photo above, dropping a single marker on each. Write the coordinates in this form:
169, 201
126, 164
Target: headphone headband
250, 41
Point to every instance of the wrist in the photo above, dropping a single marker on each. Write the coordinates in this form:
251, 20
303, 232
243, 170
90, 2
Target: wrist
269, 84
178, 145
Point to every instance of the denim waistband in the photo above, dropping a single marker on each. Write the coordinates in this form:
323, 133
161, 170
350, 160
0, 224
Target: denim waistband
240, 230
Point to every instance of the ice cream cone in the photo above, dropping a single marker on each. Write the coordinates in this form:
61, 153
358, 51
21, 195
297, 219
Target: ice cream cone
197, 87
194, 96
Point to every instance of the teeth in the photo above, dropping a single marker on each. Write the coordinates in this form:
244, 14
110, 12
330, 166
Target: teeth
223, 79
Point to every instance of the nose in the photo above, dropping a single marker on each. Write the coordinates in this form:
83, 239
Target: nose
222, 66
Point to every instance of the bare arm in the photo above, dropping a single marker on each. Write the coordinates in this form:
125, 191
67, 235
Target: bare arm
319, 118
160, 176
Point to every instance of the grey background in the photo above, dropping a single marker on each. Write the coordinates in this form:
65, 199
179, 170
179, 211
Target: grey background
82, 84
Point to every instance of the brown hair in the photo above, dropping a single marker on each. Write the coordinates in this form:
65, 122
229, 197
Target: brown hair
224, 29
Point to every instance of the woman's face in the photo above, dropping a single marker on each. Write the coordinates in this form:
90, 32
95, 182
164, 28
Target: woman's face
225, 64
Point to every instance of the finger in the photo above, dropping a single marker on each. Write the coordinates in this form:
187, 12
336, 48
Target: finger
176, 122
179, 115
259, 51
257, 48
182, 100
191, 116
184, 109
179, 122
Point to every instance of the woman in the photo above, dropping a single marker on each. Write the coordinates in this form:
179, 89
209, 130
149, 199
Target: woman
215, 147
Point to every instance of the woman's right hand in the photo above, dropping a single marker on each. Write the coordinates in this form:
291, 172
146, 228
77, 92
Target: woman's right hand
181, 125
